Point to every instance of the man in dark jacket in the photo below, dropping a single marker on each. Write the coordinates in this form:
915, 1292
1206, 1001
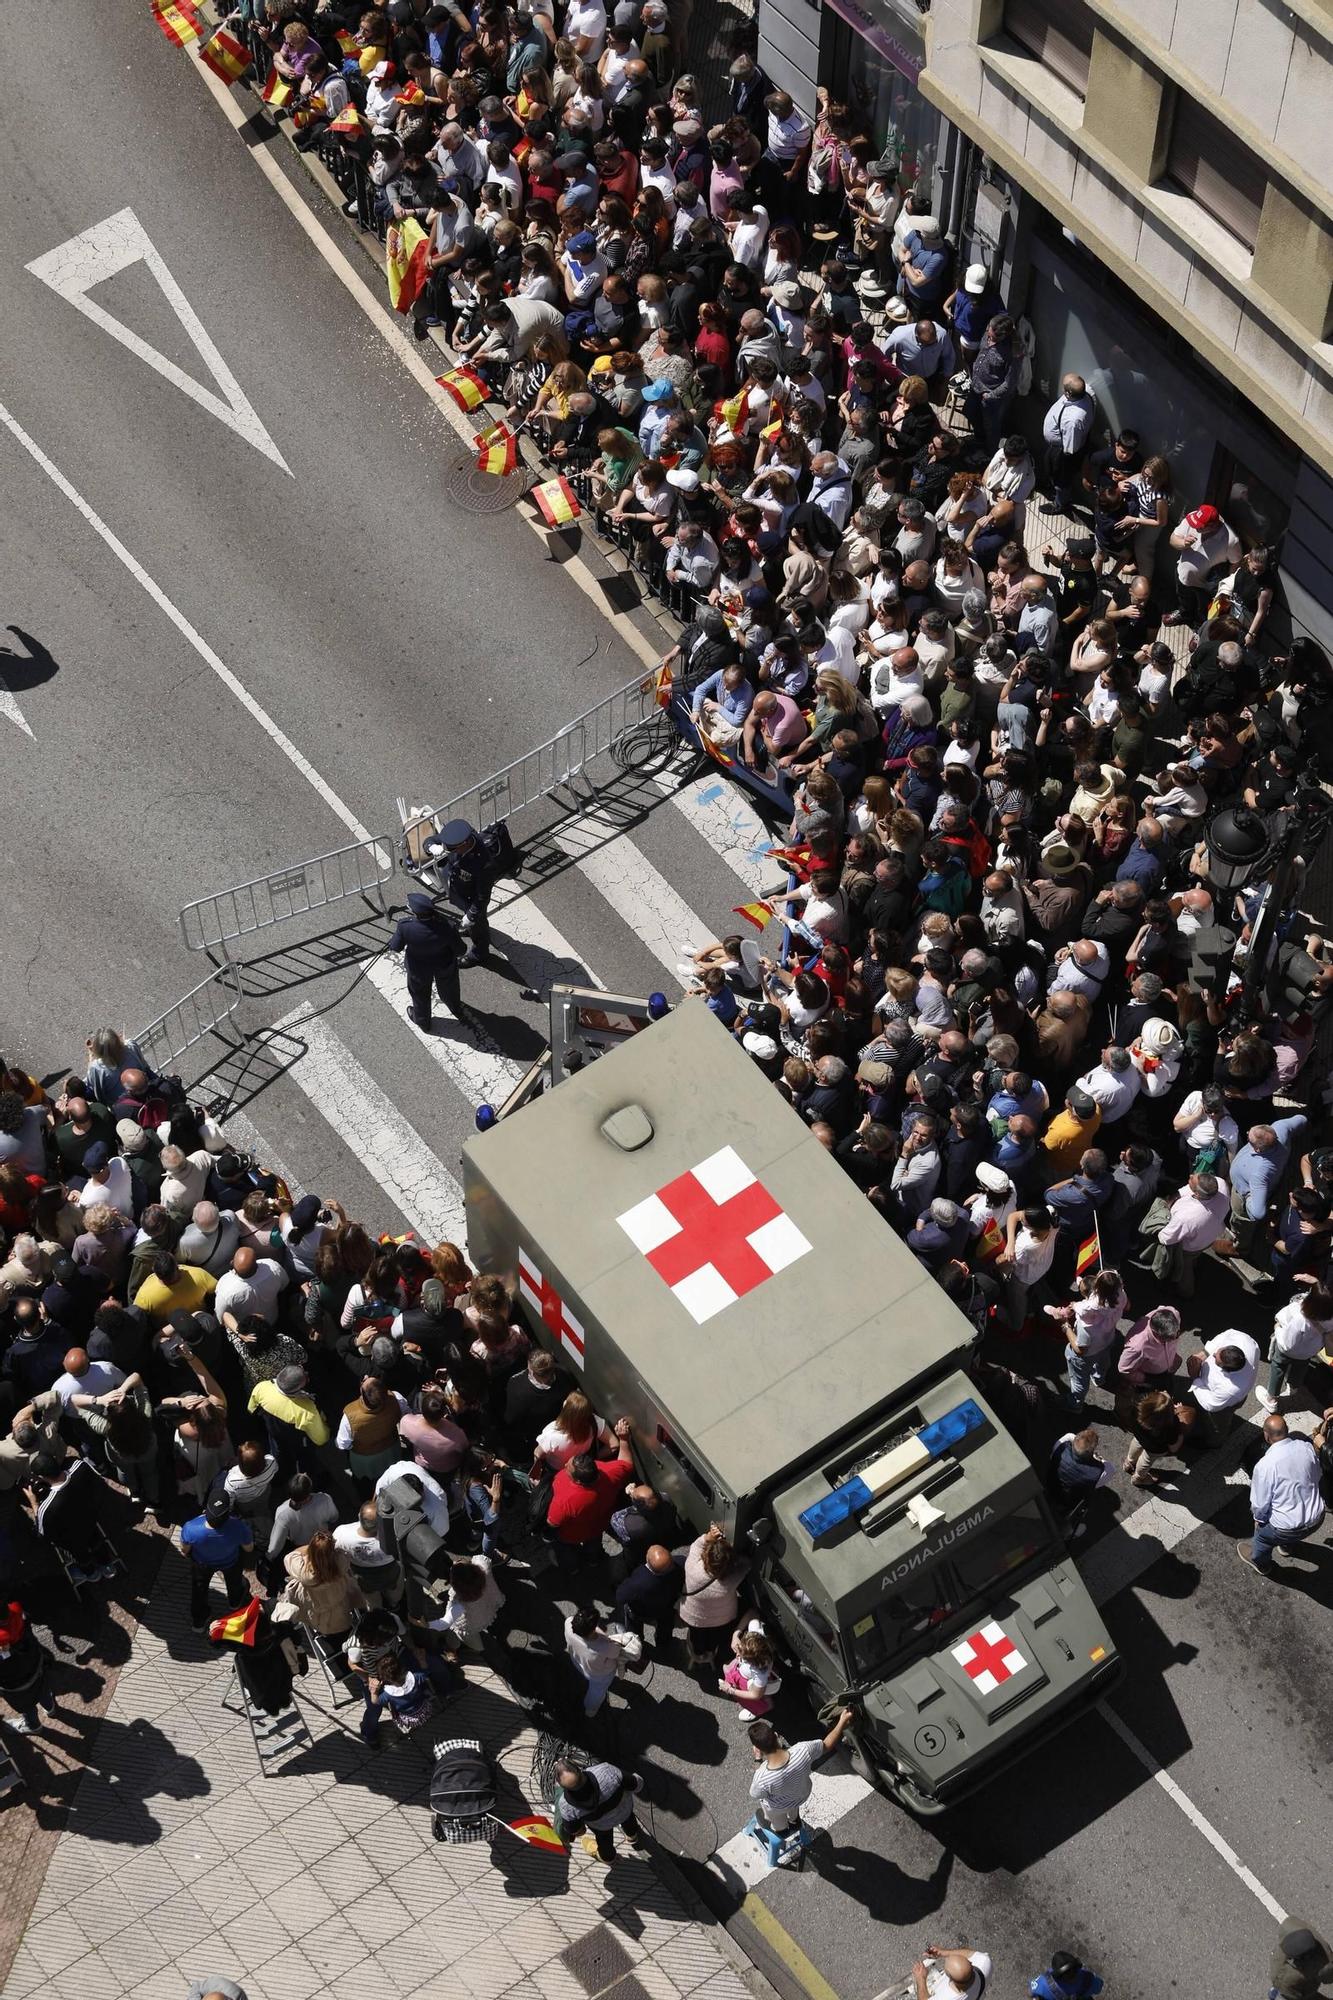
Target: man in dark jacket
432, 953
468, 874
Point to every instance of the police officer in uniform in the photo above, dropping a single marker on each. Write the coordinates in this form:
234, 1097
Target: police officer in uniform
468, 876
432, 953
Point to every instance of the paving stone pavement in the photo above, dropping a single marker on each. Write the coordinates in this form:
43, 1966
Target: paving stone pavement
181, 1860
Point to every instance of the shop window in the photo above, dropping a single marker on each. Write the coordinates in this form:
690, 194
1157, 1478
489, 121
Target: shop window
1217, 169
1058, 33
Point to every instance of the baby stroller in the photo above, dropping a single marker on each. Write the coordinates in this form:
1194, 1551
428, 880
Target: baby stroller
462, 1791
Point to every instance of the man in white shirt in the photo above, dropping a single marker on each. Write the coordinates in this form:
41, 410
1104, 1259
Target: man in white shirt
923, 348
1206, 548
1011, 475
461, 159
1286, 1499
1065, 429
1081, 968
1196, 1219
692, 556
789, 132
1113, 1084
184, 1179
253, 1285
747, 229
1181, 798
379, 1574
108, 1181
951, 1975
585, 27
1222, 1376
83, 1377
916, 1173
1302, 1329
585, 268
831, 490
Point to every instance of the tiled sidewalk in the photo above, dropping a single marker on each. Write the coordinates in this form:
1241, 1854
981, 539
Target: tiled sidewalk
181, 1860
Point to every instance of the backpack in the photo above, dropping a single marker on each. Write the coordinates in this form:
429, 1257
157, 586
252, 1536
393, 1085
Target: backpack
497, 844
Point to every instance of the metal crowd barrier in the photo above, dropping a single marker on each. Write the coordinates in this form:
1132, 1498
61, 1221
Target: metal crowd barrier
200, 1012
559, 765
363, 869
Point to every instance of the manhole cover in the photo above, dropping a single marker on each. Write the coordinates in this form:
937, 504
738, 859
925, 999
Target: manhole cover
485, 492
597, 1960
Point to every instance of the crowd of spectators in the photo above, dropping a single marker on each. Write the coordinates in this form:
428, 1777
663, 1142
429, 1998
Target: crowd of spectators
1019, 1009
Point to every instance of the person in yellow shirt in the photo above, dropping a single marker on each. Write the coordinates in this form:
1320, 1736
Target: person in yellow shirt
1070, 1133
173, 1287
292, 1418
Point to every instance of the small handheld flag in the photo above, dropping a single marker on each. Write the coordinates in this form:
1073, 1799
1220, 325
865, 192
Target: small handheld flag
347, 124
277, 91
497, 451
714, 750
663, 683
412, 94
225, 56
734, 410
1089, 1256
555, 499
467, 390
538, 1832
238, 1627
177, 20
757, 914
405, 251
347, 42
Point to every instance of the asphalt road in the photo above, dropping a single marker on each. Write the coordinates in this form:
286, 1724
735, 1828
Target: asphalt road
405, 646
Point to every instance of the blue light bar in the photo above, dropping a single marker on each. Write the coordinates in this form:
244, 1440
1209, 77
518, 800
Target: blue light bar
854, 1495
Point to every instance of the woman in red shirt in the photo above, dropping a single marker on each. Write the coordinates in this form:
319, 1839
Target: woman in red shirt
712, 345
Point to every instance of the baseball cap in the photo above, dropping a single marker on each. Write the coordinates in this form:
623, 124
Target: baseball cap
876, 1074
96, 1156
762, 1046
658, 391
218, 1510
1081, 1104
423, 906
757, 598
687, 128
382, 72
994, 1179
304, 1212
132, 1137
683, 479
582, 245
1202, 518
56, 1301
603, 365
788, 292
974, 284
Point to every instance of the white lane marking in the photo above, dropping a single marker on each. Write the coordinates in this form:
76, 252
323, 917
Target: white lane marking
375, 1131
835, 1794
1196, 1819
636, 891
9, 707
254, 708
390, 329
1147, 1532
103, 251
476, 1068
720, 812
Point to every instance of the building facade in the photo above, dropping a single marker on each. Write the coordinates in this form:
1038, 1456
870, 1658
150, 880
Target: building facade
1152, 182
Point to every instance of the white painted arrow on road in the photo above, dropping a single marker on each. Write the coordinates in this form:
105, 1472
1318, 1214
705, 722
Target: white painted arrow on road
9, 707
102, 252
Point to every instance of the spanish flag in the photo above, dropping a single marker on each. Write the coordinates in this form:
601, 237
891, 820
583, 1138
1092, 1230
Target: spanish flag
225, 56
663, 681
525, 107
277, 91
413, 94
757, 914
347, 124
177, 20
555, 498
1089, 1256
777, 420
238, 1627
733, 411
405, 263
467, 389
497, 451
797, 858
347, 42
714, 750
538, 1832
991, 1241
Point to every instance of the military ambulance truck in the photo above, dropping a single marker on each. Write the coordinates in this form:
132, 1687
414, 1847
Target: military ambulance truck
701, 1265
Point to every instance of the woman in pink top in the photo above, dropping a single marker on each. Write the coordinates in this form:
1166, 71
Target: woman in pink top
434, 1440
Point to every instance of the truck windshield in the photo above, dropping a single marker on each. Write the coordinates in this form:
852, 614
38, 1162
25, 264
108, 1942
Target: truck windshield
974, 1570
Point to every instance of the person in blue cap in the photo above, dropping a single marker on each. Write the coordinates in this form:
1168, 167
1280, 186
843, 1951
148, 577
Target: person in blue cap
1066, 1978
432, 952
467, 872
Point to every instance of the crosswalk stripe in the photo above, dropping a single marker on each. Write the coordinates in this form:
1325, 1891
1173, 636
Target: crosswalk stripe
374, 1131
479, 1071
721, 815
636, 891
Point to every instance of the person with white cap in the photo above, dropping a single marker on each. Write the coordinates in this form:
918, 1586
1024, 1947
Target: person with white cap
971, 309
